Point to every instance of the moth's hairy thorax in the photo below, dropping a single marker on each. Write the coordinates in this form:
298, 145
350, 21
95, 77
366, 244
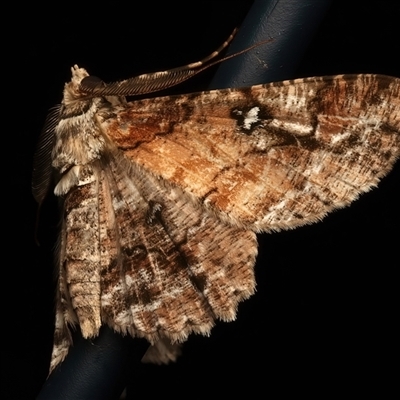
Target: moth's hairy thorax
78, 137
79, 140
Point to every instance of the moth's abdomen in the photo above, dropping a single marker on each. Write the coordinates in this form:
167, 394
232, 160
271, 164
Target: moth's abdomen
80, 266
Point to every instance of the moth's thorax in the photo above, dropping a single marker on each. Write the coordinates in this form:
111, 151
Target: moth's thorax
79, 140
78, 137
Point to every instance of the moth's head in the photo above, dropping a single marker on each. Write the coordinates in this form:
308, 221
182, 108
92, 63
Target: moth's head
72, 89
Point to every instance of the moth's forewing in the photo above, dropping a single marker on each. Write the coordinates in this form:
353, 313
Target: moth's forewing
272, 156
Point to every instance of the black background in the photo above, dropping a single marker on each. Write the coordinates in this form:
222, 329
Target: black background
324, 312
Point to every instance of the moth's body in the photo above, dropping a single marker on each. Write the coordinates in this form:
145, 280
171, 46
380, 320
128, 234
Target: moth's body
162, 197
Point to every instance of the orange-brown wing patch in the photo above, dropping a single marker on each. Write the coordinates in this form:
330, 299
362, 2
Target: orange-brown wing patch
272, 156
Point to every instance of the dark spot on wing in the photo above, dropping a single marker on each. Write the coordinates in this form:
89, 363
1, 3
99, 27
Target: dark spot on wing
199, 281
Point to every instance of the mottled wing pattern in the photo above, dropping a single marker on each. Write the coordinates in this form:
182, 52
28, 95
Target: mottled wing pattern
150, 262
163, 196
272, 156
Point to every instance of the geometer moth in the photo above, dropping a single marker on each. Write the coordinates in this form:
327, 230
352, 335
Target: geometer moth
163, 197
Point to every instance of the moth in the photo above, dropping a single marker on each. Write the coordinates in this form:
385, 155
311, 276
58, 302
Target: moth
163, 197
